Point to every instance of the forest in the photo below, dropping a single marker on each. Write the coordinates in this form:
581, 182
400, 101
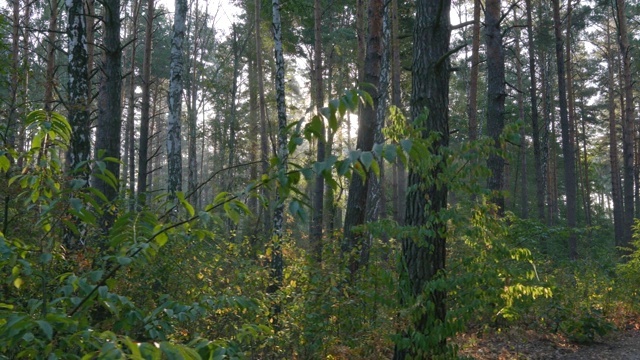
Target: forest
317, 179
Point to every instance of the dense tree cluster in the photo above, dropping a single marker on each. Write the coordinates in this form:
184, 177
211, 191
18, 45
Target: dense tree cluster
427, 154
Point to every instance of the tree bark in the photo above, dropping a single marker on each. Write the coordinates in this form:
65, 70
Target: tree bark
52, 36
524, 190
628, 128
143, 149
315, 233
174, 138
358, 195
78, 83
496, 95
472, 106
535, 127
424, 258
264, 138
568, 151
277, 264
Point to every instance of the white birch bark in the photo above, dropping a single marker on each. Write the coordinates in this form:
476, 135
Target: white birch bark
174, 151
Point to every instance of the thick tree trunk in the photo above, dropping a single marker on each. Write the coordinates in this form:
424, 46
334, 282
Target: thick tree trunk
496, 95
376, 201
424, 258
78, 101
628, 128
568, 151
358, 194
143, 149
174, 138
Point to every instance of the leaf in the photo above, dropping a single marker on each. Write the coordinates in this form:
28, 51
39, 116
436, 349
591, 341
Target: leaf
406, 145
124, 260
18, 282
366, 158
46, 328
5, 164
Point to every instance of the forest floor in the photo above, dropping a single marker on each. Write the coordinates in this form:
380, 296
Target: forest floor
525, 344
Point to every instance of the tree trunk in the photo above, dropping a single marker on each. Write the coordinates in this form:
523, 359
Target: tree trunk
130, 125
264, 138
52, 35
568, 151
628, 128
496, 95
277, 265
358, 194
315, 233
424, 260
399, 170
174, 138
78, 101
524, 194
143, 149
472, 106
535, 127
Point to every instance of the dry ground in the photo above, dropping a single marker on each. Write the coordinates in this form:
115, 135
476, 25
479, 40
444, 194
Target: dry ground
524, 344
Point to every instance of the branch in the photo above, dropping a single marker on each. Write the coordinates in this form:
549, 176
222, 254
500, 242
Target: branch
461, 25
449, 53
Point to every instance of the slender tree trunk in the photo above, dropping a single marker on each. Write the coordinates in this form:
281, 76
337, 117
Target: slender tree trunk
130, 125
143, 148
51, 55
535, 127
174, 138
358, 188
264, 139
472, 106
568, 151
424, 259
315, 233
496, 95
9, 136
628, 126
401, 174
524, 195
192, 96
277, 264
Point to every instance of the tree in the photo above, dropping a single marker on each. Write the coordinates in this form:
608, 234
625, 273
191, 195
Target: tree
567, 144
472, 105
78, 89
358, 188
277, 265
424, 257
315, 233
109, 103
174, 139
143, 149
535, 126
628, 127
496, 95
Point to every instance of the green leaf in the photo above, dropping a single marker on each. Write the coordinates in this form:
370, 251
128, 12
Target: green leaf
366, 158
46, 328
124, 260
5, 164
406, 145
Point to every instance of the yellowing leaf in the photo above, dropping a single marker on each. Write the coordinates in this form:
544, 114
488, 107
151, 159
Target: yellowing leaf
18, 282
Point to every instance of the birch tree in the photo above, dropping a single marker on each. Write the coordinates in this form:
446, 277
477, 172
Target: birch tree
174, 146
